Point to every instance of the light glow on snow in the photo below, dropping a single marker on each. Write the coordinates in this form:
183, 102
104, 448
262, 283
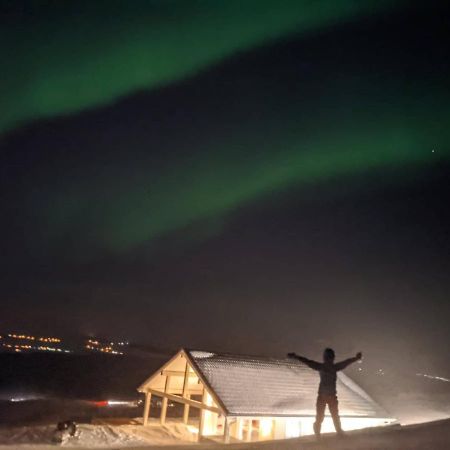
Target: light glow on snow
432, 377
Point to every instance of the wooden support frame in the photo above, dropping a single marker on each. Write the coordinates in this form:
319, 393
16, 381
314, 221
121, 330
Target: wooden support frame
148, 399
185, 401
165, 401
193, 372
201, 424
178, 373
249, 430
226, 431
186, 412
238, 428
179, 381
186, 394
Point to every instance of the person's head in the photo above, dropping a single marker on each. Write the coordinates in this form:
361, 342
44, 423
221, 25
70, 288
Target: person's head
328, 355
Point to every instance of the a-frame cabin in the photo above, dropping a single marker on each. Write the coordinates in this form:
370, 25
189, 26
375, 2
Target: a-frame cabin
253, 398
180, 380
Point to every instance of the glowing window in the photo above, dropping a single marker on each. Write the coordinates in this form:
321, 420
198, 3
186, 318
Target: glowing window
293, 428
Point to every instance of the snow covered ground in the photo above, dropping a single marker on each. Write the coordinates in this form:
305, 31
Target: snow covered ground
175, 436
97, 436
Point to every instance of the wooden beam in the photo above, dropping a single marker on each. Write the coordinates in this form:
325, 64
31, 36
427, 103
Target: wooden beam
164, 402
202, 415
226, 431
187, 373
185, 401
163, 411
186, 413
177, 373
148, 399
249, 430
238, 429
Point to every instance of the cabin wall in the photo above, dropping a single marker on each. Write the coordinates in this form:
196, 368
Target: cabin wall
268, 428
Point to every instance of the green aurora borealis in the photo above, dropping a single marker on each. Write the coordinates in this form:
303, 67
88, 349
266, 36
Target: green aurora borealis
213, 183
63, 57
338, 126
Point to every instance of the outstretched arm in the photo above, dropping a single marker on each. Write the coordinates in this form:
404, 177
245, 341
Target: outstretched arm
343, 364
309, 362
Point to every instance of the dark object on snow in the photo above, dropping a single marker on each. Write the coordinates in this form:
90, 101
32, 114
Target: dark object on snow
69, 425
64, 430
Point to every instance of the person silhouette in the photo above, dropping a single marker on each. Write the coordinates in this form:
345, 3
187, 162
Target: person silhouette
327, 394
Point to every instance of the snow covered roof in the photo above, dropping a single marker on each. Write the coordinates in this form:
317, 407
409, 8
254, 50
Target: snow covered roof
262, 386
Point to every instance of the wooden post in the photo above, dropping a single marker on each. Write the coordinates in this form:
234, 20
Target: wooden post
249, 430
186, 412
202, 415
186, 393
238, 428
164, 401
226, 431
148, 399
163, 410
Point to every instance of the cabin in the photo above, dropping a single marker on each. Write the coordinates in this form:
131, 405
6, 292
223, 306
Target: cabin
252, 398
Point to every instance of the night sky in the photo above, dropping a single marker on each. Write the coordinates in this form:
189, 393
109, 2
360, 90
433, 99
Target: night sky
253, 176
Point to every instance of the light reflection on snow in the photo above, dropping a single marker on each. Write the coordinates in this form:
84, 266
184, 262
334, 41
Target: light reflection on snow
432, 377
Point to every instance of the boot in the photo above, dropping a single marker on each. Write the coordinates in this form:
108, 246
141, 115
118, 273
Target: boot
316, 428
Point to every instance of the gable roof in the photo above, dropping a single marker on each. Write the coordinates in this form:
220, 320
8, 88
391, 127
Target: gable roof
263, 386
